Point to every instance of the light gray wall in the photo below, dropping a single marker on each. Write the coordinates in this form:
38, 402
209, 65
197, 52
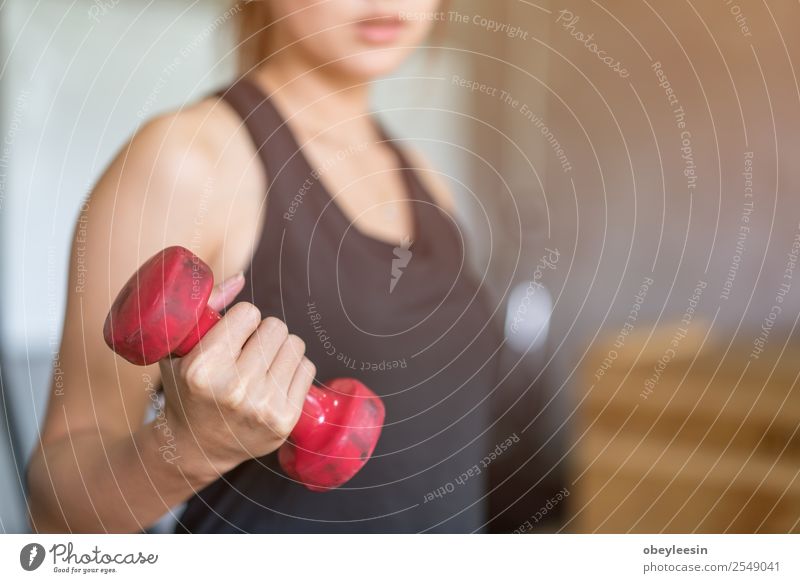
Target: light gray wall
76, 82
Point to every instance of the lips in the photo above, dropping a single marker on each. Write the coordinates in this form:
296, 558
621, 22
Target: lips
380, 29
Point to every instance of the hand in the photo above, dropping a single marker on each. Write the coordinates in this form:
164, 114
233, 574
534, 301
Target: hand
239, 393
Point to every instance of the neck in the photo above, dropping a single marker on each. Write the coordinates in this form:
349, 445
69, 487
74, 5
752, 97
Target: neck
316, 98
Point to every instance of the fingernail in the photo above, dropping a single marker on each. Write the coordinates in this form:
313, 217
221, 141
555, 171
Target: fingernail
234, 279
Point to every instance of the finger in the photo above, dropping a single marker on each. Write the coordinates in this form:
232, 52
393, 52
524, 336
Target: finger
261, 349
283, 367
169, 373
301, 383
227, 338
224, 293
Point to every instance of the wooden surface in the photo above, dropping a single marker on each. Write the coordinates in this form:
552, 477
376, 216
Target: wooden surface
714, 447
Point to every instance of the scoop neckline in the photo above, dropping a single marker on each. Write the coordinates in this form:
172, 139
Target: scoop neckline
405, 171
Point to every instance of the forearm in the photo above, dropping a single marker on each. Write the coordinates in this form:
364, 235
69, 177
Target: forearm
87, 483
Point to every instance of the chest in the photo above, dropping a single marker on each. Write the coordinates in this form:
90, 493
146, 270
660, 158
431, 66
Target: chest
363, 180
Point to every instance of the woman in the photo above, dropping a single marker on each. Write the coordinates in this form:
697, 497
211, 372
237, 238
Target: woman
353, 263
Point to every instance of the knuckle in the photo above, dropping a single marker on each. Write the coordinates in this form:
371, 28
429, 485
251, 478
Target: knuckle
295, 344
282, 425
309, 367
195, 374
249, 313
235, 394
274, 418
275, 327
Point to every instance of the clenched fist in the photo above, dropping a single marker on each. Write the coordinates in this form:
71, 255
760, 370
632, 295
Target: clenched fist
239, 393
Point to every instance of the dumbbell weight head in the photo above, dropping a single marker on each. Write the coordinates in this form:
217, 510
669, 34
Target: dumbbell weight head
335, 436
162, 309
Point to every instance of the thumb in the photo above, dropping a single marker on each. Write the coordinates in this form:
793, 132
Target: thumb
225, 292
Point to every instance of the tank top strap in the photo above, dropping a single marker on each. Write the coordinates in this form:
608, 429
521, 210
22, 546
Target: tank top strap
267, 129
415, 189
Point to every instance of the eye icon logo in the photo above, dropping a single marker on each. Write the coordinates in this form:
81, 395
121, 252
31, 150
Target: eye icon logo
31, 556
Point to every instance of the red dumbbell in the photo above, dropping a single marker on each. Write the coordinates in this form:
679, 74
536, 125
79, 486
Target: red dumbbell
163, 310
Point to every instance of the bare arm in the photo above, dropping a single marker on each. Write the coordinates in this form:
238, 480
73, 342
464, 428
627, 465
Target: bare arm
98, 467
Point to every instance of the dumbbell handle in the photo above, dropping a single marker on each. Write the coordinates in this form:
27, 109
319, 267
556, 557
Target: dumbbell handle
207, 319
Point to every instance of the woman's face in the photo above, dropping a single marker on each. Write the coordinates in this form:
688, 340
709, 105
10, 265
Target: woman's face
362, 39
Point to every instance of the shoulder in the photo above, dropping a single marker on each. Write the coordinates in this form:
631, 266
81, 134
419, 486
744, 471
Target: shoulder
194, 162
186, 147
434, 180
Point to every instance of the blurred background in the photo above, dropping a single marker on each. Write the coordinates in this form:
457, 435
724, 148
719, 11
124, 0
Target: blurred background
626, 173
